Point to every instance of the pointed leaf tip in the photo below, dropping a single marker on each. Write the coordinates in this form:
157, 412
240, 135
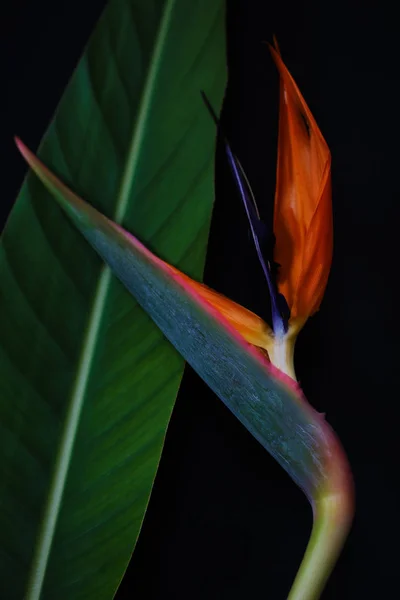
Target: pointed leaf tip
21, 146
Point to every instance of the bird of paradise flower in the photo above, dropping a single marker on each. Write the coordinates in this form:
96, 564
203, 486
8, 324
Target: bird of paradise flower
303, 240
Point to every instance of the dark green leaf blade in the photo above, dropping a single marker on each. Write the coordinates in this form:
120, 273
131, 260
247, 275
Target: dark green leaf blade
87, 379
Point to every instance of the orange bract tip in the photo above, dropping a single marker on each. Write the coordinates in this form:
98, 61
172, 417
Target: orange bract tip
303, 208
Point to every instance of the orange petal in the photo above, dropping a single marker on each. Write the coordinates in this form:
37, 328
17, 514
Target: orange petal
248, 324
303, 208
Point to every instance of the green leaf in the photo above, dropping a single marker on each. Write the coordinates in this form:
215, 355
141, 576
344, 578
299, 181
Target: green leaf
269, 403
88, 382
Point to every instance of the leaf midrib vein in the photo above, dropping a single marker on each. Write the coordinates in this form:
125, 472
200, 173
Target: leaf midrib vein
59, 478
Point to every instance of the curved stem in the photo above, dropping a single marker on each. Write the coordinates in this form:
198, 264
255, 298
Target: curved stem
332, 519
333, 509
333, 506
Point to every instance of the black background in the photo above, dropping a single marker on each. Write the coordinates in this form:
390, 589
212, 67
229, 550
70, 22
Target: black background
224, 520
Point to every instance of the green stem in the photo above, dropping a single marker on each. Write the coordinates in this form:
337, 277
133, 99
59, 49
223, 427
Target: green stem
332, 519
333, 506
